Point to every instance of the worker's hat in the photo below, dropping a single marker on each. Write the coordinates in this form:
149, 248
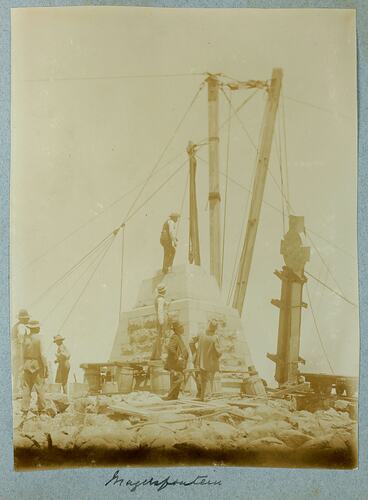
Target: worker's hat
252, 370
177, 326
23, 314
161, 288
174, 215
212, 325
33, 324
58, 338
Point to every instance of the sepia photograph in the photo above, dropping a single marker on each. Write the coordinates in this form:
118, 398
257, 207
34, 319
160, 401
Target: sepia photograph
183, 238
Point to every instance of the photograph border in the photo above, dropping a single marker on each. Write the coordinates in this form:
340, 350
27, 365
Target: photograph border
237, 482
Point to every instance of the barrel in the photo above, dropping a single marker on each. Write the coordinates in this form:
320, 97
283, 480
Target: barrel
160, 378
110, 388
92, 377
125, 380
53, 388
231, 384
76, 390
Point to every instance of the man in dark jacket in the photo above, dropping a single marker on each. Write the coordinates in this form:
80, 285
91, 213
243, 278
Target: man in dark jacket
19, 331
207, 352
176, 361
34, 369
169, 241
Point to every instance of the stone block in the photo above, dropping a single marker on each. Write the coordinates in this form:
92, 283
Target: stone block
195, 299
77, 390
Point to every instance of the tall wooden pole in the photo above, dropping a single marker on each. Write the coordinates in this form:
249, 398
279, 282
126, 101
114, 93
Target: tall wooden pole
194, 251
293, 279
258, 189
214, 178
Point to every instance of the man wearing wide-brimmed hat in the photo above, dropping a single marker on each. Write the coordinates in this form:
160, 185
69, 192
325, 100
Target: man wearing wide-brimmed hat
62, 360
18, 333
161, 306
169, 241
34, 368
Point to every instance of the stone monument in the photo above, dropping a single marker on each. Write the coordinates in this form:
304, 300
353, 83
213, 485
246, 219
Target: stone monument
195, 299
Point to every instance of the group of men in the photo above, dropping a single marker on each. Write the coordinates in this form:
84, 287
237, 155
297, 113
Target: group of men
205, 350
206, 353
30, 366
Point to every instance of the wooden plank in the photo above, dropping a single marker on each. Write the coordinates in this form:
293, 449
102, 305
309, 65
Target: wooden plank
243, 404
129, 410
288, 390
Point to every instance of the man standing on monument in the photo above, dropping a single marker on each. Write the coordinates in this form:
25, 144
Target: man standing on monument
177, 357
34, 368
19, 331
207, 352
161, 306
169, 241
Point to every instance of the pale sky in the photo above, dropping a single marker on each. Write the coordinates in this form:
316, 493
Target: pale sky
83, 134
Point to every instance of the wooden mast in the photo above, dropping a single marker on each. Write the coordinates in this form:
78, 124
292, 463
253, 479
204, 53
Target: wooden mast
258, 189
194, 251
214, 178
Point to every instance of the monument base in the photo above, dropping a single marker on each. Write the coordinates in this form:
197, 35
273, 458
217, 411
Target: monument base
195, 299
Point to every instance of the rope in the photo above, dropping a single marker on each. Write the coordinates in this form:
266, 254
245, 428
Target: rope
182, 204
321, 108
112, 234
74, 283
204, 141
308, 229
256, 149
155, 192
332, 244
241, 123
67, 273
285, 142
278, 147
324, 263
86, 285
117, 77
122, 268
226, 190
165, 148
82, 226
313, 244
331, 289
318, 332
241, 236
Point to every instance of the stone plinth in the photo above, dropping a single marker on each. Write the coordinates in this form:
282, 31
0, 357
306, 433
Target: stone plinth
195, 299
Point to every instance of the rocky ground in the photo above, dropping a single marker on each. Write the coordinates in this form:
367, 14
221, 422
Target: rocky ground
141, 429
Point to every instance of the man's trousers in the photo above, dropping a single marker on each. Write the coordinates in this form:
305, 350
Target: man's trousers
30, 381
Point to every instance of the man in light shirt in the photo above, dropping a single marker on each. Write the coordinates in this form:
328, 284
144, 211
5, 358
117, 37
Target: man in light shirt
19, 331
161, 306
62, 360
169, 241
